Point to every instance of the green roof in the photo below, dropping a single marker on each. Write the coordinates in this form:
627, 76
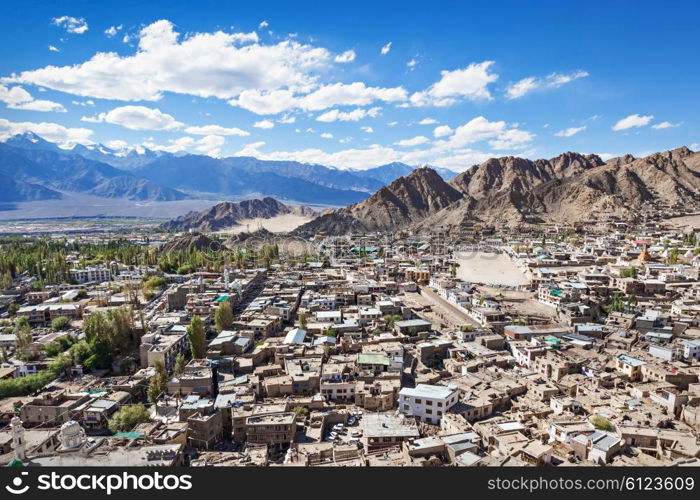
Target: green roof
129, 435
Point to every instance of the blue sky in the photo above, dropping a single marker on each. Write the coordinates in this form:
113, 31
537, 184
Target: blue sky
354, 84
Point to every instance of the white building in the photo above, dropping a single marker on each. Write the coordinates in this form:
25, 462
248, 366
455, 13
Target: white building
91, 274
427, 402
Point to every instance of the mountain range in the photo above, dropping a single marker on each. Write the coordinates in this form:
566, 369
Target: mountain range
571, 187
36, 169
228, 214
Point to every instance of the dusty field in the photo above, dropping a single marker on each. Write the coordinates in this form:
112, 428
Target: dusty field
688, 221
517, 302
490, 268
279, 224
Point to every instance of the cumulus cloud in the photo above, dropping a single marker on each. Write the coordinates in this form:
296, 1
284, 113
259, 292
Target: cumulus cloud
367, 129
53, 48
442, 131
18, 98
71, 24
532, 83
632, 121
216, 130
348, 116
498, 133
665, 125
512, 139
52, 132
568, 132
113, 30
386, 48
326, 96
411, 64
414, 141
327, 135
470, 83
345, 57
136, 118
427, 121
264, 124
215, 64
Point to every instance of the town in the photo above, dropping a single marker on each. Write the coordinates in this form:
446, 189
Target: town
549, 345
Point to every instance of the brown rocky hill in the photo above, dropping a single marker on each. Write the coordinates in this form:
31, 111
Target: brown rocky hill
574, 188
403, 202
228, 214
571, 187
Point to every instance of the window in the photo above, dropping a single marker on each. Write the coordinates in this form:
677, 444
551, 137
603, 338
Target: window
429, 412
429, 403
419, 401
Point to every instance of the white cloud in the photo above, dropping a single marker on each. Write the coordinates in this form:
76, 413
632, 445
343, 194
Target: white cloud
18, 98
568, 132
695, 146
71, 24
53, 48
252, 149
512, 139
287, 119
665, 125
414, 141
327, 135
50, 131
263, 24
113, 30
89, 102
479, 129
345, 57
427, 121
326, 96
348, 116
215, 64
386, 48
117, 145
367, 129
210, 145
393, 124
442, 131
469, 83
412, 64
551, 81
136, 118
264, 124
216, 130
631, 121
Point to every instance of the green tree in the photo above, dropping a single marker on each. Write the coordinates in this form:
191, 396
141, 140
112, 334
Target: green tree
197, 337
601, 423
12, 310
158, 383
391, 320
179, 367
97, 326
223, 316
129, 417
23, 332
301, 412
59, 323
302, 320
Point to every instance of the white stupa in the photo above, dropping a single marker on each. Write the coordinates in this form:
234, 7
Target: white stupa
72, 435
